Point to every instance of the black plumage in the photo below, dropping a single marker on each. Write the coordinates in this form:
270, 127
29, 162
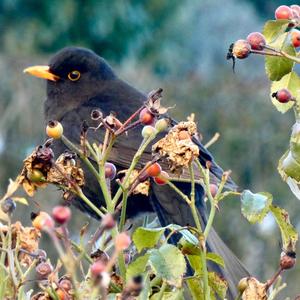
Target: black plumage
98, 87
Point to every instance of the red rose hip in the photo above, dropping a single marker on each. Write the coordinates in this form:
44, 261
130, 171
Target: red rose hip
241, 49
146, 117
295, 38
153, 170
256, 40
61, 214
282, 95
283, 12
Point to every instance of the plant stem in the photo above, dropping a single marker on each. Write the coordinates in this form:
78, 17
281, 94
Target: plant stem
123, 211
134, 162
162, 290
89, 203
179, 192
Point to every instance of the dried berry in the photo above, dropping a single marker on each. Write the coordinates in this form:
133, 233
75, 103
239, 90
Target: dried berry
122, 241
42, 221
256, 40
36, 175
108, 221
54, 129
241, 49
8, 206
61, 214
282, 95
146, 117
287, 260
43, 270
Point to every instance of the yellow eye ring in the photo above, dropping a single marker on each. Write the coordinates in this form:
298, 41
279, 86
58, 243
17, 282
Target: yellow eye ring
74, 75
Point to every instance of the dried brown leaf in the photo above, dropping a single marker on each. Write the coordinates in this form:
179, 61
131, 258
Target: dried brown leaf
255, 290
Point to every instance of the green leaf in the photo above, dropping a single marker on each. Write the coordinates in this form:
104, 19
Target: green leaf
21, 200
255, 206
274, 28
289, 234
277, 67
169, 263
291, 82
137, 267
215, 258
176, 295
146, 237
218, 284
195, 288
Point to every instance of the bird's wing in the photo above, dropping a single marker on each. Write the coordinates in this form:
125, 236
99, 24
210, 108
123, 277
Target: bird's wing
124, 100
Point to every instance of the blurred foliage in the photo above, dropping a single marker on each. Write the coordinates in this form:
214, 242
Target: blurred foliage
180, 46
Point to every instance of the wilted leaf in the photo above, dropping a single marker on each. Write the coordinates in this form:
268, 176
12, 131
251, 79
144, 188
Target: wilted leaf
290, 81
255, 206
195, 288
168, 263
277, 67
218, 284
3, 216
137, 267
289, 234
255, 290
273, 29
11, 188
178, 152
146, 237
176, 295
21, 200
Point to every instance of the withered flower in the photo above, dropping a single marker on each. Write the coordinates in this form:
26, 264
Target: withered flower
35, 169
28, 239
141, 187
66, 170
177, 146
255, 290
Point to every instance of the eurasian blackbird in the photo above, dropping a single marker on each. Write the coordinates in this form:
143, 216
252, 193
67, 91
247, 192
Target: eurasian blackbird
78, 82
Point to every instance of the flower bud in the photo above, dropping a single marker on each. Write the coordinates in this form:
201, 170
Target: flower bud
122, 241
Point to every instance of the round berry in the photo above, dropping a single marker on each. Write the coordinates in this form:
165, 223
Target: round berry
295, 10
213, 189
108, 221
110, 170
35, 175
162, 124
8, 206
43, 270
61, 214
147, 131
153, 170
283, 95
146, 117
122, 241
241, 49
42, 221
61, 294
256, 40
65, 284
283, 12
97, 268
287, 261
162, 178
295, 38
54, 129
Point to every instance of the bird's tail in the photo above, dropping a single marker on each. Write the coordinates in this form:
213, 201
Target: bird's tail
172, 209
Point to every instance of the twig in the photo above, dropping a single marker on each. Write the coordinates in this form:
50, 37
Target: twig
212, 140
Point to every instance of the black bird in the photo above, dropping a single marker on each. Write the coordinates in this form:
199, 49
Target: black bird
79, 81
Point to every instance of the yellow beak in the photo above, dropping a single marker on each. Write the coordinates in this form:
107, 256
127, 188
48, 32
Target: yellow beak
41, 72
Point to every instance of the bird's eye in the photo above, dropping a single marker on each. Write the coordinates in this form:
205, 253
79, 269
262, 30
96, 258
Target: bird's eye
74, 75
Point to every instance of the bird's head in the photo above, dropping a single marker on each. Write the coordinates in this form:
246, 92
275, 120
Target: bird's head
74, 74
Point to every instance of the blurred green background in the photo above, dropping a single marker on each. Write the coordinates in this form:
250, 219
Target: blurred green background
180, 46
